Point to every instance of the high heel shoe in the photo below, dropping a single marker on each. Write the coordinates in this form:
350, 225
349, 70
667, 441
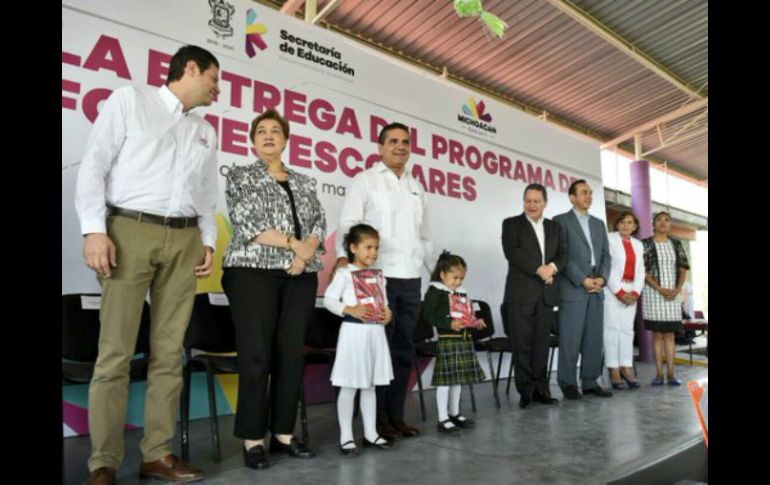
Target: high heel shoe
617, 385
673, 381
631, 384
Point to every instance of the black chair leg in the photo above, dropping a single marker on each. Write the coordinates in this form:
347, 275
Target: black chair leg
510, 371
418, 375
213, 412
184, 413
492, 378
550, 364
690, 340
63, 470
473, 398
499, 369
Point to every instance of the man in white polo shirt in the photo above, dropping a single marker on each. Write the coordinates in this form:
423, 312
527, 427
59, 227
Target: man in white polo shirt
388, 198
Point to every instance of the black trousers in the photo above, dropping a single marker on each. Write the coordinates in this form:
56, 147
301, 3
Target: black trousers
404, 301
271, 314
529, 330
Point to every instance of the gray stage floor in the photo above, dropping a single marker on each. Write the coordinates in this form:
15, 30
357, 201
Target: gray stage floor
588, 441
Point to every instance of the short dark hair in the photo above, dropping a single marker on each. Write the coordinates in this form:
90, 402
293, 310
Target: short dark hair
538, 187
573, 186
270, 114
393, 126
661, 213
622, 216
446, 262
355, 235
202, 58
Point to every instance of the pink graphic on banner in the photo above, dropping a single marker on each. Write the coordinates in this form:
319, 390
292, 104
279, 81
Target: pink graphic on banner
254, 33
76, 417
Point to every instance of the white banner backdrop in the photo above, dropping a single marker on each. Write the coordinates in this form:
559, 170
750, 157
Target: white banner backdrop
473, 154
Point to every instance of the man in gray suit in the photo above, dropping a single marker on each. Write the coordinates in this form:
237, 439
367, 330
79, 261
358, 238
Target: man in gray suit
581, 306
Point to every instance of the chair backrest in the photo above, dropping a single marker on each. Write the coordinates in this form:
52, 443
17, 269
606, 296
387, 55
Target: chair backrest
323, 329
485, 313
423, 329
80, 329
211, 327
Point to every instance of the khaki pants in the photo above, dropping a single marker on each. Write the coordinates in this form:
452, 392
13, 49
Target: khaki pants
161, 259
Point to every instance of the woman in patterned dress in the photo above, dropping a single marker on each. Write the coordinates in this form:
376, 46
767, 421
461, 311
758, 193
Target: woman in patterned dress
666, 268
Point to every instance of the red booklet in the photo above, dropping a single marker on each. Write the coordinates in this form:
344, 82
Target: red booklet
369, 285
460, 307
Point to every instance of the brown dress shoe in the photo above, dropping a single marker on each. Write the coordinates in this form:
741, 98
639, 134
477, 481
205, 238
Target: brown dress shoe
405, 430
172, 469
102, 476
388, 432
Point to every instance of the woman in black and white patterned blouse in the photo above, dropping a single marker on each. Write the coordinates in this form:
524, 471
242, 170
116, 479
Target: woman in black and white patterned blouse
666, 266
270, 278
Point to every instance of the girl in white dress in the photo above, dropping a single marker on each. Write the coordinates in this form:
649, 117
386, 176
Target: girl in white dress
363, 356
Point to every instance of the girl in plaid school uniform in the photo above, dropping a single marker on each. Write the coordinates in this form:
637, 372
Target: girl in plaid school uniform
456, 362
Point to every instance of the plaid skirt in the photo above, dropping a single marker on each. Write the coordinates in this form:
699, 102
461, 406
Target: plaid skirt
456, 363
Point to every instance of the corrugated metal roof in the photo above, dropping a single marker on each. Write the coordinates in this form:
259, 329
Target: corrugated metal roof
550, 62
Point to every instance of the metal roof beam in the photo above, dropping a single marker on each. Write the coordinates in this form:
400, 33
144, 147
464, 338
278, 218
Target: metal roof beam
677, 113
326, 11
672, 142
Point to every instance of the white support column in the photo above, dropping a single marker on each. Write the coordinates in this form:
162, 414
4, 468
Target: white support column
311, 8
638, 146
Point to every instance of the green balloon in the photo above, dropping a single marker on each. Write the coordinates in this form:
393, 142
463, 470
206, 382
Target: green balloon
495, 24
465, 8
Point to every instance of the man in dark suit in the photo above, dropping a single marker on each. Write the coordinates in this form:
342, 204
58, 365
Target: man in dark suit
536, 250
581, 306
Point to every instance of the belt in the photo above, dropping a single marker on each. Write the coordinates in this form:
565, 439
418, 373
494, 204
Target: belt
463, 335
174, 222
348, 318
